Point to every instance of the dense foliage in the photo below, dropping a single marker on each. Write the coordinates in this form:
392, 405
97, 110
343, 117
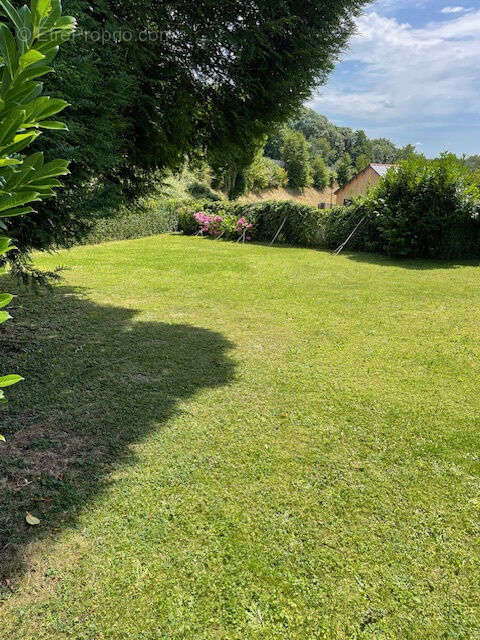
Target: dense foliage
343, 150
332, 142
345, 170
153, 81
29, 41
264, 174
149, 217
473, 162
320, 174
424, 208
300, 224
296, 158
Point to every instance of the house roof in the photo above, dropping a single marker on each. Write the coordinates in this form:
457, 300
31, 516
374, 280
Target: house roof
380, 169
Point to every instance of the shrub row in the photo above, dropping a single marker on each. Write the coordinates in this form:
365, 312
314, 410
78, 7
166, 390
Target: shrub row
340, 222
302, 224
149, 218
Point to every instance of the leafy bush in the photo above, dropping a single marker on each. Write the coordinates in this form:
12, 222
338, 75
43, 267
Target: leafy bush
26, 56
424, 208
209, 224
185, 212
296, 155
279, 177
302, 224
151, 217
245, 228
186, 218
264, 174
201, 190
320, 174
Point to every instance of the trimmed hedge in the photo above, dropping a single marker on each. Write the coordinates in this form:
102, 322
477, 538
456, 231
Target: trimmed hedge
341, 221
303, 224
150, 218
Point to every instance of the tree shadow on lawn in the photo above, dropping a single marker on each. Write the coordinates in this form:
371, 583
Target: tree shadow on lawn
97, 381
417, 264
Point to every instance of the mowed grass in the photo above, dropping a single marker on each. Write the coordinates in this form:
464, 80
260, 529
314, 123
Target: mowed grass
243, 442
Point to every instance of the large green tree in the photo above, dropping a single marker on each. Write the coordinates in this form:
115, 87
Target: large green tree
296, 156
384, 151
361, 149
152, 81
345, 170
320, 174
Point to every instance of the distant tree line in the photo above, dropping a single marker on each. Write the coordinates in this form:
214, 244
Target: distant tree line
325, 150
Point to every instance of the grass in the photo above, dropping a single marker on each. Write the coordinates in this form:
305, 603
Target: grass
242, 442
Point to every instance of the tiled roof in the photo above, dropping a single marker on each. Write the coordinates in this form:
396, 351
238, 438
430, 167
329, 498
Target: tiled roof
381, 169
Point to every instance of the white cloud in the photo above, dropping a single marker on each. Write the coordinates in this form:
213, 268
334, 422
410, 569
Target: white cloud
396, 73
453, 9
395, 5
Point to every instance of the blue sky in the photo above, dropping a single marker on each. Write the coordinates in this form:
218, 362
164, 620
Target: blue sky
411, 74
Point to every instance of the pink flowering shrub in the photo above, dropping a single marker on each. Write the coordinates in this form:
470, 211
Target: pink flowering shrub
228, 225
244, 226
209, 224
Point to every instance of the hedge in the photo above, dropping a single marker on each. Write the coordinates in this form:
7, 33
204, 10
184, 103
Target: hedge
149, 218
302, 225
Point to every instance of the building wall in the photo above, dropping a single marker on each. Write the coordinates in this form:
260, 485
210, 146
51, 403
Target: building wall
358, 186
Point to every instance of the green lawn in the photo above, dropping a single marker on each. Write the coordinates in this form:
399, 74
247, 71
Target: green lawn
238, 442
